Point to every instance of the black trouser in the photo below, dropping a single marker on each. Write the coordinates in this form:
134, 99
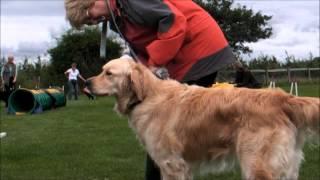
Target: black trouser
152, 170
73, 89
8, 89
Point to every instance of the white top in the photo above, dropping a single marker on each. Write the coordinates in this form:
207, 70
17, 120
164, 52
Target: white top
73, 74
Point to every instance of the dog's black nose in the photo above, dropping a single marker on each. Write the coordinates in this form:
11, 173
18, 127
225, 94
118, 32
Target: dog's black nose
87, 83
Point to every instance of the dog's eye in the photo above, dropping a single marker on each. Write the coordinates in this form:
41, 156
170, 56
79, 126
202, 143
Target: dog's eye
108, 73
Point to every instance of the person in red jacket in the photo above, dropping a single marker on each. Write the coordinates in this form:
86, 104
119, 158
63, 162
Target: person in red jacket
175, 34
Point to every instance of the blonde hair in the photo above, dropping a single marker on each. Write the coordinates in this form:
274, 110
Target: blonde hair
76, 11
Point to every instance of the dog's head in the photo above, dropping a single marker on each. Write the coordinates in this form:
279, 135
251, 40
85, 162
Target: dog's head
124, 79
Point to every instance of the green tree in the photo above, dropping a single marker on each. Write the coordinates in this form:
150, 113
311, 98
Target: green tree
240, 24
33, 75
264, 62
38, 66
81, 47
315, 62
27, 74
25, 63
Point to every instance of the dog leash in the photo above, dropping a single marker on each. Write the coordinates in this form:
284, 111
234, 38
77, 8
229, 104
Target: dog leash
103, 40
104, 33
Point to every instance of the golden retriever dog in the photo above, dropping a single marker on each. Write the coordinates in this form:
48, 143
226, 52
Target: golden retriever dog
187, 129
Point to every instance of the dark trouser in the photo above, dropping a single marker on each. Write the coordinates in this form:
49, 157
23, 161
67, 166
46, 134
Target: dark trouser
8, 89
152, 170
73, 89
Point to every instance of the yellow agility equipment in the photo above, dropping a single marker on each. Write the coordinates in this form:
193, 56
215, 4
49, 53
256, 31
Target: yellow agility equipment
222, 85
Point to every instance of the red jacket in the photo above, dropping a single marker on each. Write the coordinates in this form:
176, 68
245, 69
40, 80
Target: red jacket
177, 34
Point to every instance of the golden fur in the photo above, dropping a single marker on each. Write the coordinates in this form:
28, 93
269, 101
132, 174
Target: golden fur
76, 11
189, 128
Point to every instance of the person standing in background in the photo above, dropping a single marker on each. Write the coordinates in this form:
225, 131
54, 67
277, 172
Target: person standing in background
73, 74
9, 74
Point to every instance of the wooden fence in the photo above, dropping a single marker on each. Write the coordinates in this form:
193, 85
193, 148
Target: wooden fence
266, 75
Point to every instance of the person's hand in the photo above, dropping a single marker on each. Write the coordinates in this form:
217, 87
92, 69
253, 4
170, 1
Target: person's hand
14, 80
160, 72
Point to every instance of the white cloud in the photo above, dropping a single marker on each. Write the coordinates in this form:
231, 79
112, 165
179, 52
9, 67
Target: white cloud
32, 7
295, 28
21, 34
27, 26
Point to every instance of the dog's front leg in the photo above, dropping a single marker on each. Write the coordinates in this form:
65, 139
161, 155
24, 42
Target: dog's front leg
175, 169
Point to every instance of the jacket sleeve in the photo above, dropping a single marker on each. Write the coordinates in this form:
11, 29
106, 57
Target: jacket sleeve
171, 28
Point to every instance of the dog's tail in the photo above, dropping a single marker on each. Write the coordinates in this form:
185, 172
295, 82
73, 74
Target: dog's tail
304, 112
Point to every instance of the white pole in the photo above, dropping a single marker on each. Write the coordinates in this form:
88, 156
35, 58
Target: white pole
296, 87
272, 84
291, 89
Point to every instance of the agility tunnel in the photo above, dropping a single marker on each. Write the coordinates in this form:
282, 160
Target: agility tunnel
23, 101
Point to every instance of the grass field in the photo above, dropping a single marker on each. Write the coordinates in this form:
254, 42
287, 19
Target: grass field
88, 141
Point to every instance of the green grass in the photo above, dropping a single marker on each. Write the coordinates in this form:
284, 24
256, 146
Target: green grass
87, 140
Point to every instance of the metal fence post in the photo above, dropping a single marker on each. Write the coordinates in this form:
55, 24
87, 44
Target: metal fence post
267, 76
309, 74
289, 74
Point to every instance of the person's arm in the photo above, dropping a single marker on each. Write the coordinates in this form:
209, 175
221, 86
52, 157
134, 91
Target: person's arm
171, 24
67, 72
79, 75
83, 79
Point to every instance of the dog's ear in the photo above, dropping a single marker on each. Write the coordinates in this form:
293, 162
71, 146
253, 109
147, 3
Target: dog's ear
137, 82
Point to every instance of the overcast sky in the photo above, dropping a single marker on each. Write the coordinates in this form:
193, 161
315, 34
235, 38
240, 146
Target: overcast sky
27, 26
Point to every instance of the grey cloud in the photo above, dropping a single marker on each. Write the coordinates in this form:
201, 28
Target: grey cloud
26, 49
295, 27
32, 47
6, 50
311, 26
32, 7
